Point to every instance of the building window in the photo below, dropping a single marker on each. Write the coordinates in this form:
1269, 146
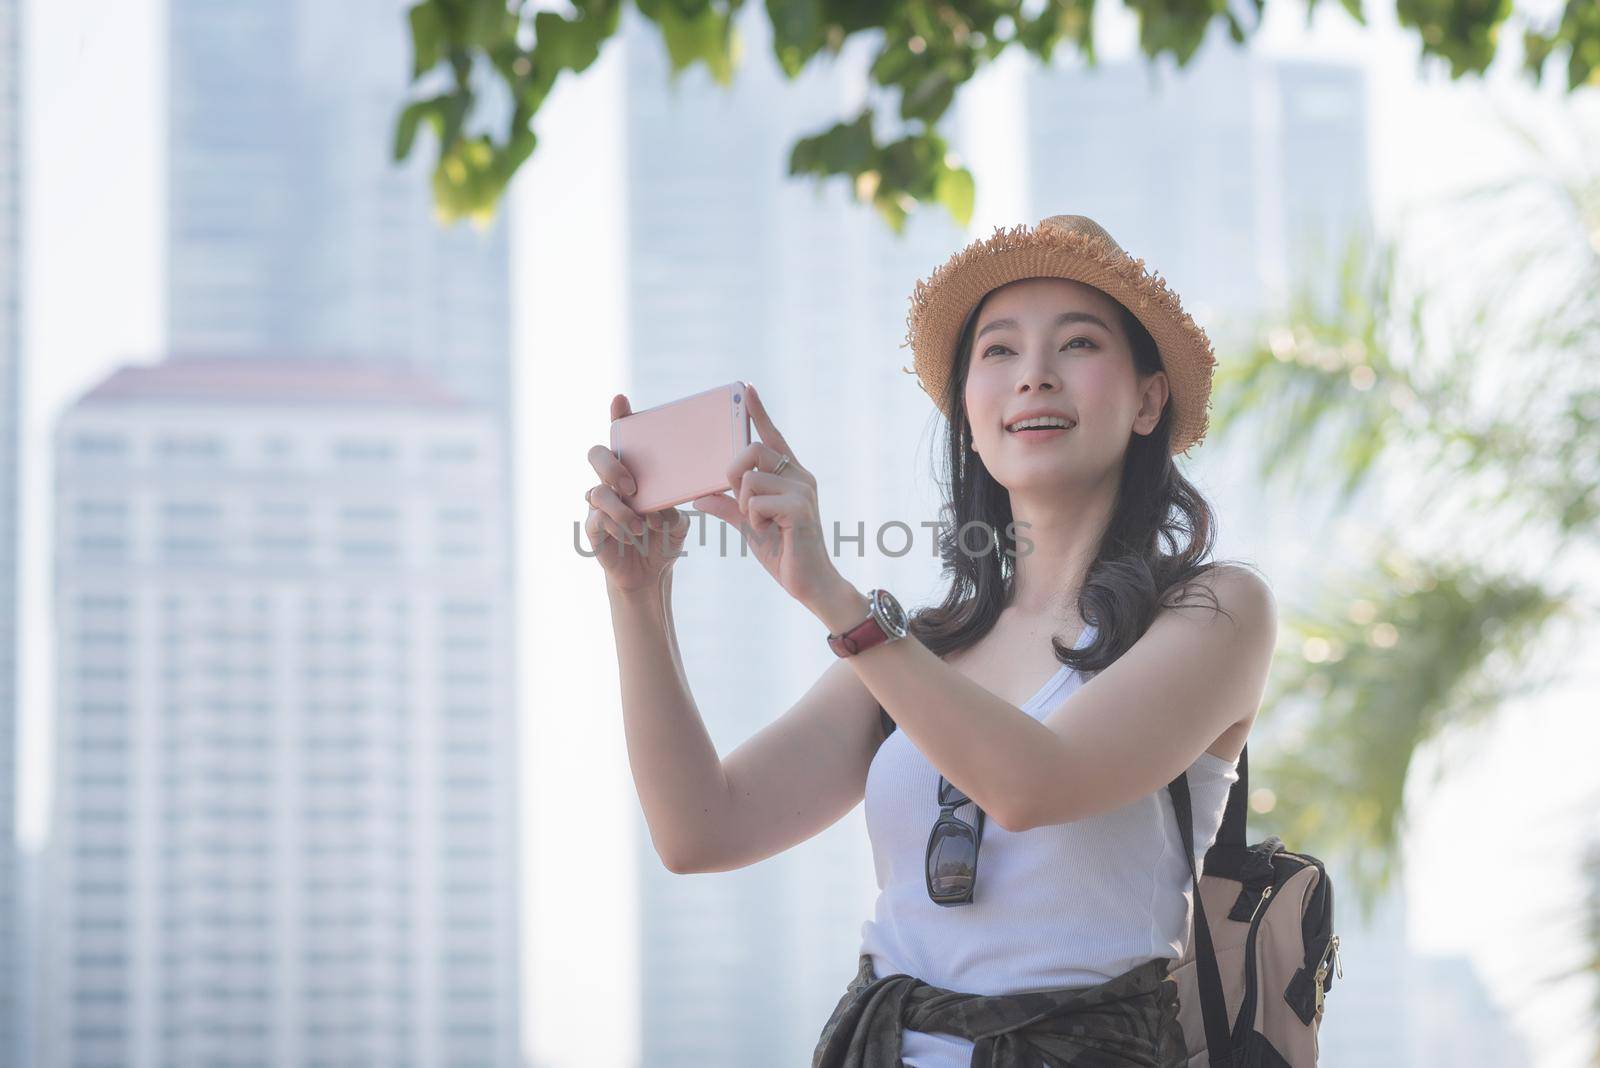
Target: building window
363, 451
190, 448
99, 446
91, 510
452, 452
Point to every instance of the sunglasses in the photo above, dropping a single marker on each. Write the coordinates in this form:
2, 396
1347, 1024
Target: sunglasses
952, 862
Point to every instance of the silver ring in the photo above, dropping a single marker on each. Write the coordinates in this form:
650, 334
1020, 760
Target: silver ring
781, 464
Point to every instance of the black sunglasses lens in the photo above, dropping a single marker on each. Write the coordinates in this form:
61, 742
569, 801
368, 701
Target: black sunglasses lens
953, 862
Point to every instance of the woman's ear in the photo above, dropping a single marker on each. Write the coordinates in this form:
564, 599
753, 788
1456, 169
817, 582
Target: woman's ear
1152, 402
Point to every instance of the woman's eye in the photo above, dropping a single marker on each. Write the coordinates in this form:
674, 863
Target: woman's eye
993, 348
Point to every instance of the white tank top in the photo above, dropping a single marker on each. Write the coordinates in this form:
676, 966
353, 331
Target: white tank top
1071, 904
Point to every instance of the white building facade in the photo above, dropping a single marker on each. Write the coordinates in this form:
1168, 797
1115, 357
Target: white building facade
12, 969
284, 801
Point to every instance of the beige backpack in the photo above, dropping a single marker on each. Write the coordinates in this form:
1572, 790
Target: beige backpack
1251, 984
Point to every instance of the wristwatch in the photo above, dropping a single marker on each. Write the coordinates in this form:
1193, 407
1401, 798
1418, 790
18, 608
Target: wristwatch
885, 622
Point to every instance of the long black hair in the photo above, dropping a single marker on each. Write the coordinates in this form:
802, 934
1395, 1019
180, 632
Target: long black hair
1157, 542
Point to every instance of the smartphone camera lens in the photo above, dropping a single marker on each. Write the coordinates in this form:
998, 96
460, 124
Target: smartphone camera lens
736, 398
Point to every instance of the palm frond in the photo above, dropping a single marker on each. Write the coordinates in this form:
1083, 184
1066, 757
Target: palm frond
1384, 663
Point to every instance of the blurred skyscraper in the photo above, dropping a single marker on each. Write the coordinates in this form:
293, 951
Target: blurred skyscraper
740, 272
284, 776
34, 910
1219, 175
293, 237
12, 975
1239, 178
289, 231
1236, 179
1228, 177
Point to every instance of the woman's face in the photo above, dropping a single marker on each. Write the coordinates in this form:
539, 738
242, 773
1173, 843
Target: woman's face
1055, 345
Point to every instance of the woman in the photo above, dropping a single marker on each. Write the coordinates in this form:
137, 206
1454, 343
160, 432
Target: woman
1070, 378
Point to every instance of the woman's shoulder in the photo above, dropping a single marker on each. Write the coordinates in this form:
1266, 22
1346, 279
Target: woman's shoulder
1233, 602
1245, 593
1233, 587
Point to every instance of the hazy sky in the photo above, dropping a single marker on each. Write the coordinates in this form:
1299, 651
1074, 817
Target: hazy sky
94, 292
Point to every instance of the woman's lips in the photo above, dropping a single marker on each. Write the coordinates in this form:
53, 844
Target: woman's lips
1039, 435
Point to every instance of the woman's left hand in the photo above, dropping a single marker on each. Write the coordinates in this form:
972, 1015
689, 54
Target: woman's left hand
778, 511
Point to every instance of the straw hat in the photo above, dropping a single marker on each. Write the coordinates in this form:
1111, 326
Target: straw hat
1074, 247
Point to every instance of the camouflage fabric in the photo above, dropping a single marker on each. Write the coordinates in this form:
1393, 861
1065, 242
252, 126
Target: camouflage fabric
1130, 1020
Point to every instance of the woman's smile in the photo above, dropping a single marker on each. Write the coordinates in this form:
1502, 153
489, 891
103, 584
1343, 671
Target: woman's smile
1039, 434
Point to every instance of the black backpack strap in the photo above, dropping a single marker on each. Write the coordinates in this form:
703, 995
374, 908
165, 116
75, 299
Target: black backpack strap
1213, 1005
1231, 832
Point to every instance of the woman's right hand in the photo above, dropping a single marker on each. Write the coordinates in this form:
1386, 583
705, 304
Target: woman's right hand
637, 562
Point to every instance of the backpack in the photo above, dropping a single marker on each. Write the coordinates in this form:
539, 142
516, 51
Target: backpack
1265, 964
1266, 969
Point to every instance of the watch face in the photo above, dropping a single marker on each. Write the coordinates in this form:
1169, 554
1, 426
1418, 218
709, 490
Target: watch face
890, 613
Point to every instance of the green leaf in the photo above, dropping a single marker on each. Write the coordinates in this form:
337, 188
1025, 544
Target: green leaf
452, 111
929, 97
797, 32
895, 64
1235, 29
406, 129
1462, 32
929, 51
1353, 7
486, 24
564, 44
845, 148
427, 37
705, 36
957, 191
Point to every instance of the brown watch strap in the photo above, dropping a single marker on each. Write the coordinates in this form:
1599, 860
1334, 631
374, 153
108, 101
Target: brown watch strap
859, 638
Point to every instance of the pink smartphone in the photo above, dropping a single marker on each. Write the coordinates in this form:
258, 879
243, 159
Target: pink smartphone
681, 450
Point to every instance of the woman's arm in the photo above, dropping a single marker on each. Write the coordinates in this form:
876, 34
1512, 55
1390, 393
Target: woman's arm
672, 630
1125, 733
675, 765
794, 778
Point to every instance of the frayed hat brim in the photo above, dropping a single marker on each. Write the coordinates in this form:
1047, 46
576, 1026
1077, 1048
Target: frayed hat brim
1076, 248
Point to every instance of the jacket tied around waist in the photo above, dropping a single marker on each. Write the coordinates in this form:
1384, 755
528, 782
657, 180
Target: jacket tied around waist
1129, 1020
